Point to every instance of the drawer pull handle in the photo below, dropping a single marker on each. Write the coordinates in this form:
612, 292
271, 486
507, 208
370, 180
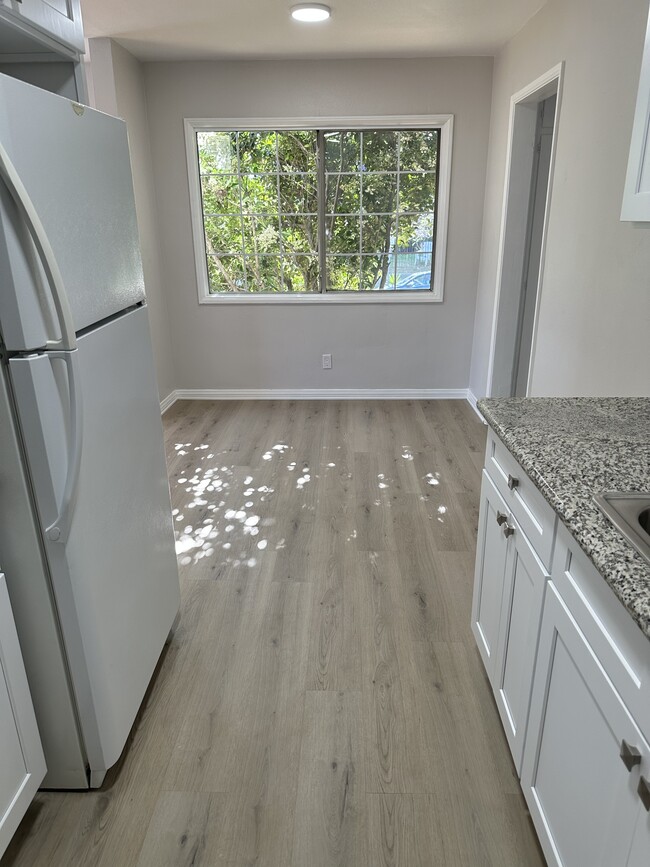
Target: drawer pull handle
644, 793
630, 755
508, 530
501, 518
513, 482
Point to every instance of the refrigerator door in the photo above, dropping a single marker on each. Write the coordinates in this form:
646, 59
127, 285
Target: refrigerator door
30, 590
74, 170
115, 579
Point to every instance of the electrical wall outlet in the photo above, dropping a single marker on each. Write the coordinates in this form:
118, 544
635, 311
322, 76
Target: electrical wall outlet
327, 362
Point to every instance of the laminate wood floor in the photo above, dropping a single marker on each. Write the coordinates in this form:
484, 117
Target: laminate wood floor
322, 702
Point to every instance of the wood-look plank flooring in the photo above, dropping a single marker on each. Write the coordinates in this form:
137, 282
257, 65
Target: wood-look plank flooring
322, 702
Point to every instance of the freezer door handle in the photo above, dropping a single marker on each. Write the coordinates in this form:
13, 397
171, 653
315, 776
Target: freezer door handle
28, 212
59, 530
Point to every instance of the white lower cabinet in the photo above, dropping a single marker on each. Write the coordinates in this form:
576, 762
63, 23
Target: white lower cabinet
570, 672
639, 853
584, 755
508, 594
521, 608
22, 764
491, 556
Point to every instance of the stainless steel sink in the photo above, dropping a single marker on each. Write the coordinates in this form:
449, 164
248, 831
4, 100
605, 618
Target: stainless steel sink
630, 513
644, 520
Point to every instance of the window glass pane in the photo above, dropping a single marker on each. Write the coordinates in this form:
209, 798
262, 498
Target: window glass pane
415, 233
343, 194
418, 150
379, 152
417, 192
343, 273
257, 152
226, 274
379, 193
260, 204
223, 234
297, 150
300, 274
342, 234
217, 151
220, 194
377, 272
413, 271
300, 234
298, 194
261, 235
342, 151
263, 273
259, 194
378, 234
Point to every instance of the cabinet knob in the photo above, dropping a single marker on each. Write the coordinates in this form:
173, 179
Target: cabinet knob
501, 518
630, 755
644, 793
512, 482
508, 530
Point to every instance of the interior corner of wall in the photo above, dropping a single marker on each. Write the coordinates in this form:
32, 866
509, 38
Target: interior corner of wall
101, 74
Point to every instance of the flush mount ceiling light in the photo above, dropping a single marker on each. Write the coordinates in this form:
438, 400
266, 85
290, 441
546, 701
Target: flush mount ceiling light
311, 12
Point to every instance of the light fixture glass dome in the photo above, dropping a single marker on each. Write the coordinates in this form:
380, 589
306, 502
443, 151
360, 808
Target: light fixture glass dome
311, 12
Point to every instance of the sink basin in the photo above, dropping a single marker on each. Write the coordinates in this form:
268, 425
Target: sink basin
644, 520
630, 513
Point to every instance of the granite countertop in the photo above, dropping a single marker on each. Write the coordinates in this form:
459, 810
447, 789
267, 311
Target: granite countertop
573, 448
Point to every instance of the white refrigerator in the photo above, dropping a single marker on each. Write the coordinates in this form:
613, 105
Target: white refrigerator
86, 537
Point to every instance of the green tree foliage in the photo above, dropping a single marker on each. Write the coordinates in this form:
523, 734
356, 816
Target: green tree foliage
261, 205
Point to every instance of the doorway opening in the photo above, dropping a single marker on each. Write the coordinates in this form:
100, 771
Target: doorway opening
534, 113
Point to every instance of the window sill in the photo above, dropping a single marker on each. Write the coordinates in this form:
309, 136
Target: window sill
329, 298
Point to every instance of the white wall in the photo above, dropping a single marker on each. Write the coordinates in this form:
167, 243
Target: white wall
280, 346
594, 322
117, 87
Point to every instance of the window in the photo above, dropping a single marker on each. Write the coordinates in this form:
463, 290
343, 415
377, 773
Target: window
296, 212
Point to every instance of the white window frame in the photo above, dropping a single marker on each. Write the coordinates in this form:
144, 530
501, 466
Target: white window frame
443, 122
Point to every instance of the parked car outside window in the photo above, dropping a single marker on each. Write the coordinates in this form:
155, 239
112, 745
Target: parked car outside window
419, 280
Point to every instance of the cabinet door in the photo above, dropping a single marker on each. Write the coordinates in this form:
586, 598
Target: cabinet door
491, 553
523, 593
640, 851
59, 19
582, 798
22, 765
636, 194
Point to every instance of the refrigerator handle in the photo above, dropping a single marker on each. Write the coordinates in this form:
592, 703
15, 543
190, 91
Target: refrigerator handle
27, 210
59, 530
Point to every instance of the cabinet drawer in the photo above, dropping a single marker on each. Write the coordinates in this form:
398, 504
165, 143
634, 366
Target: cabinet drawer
622, 649
531, 511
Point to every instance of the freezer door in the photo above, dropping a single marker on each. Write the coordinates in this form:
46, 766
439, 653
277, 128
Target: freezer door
115, 578
73, 165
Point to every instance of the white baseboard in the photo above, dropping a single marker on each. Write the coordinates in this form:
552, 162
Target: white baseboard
472, 401
319, 394
168, 402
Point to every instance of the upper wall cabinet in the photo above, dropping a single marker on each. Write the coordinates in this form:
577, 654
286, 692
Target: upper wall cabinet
636, 197
58, 20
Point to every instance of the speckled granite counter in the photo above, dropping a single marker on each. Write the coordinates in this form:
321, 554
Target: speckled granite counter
573, 448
